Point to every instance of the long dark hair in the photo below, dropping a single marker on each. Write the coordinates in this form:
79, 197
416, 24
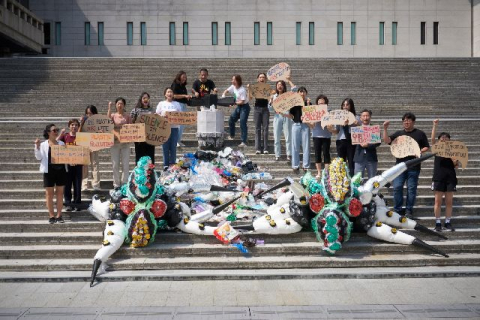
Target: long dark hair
352, 105
92, 108
139, 102
47, 130
284, 87
178, 76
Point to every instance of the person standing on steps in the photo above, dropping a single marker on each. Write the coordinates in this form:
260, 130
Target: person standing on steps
203, 85
281, 122
75, 171
54, 175
120, 152
142, 107
179, 87
444, 182
366, 153
242, 109
261, 118
300, 134
411, 175
322, 139
94, 156
169, 147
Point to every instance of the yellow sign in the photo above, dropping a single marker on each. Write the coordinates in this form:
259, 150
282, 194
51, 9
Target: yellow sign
94, 141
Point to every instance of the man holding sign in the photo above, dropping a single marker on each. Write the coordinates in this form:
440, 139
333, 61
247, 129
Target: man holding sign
411, 175
366, 152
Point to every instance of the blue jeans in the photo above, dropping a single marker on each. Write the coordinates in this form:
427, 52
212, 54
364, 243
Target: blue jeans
281, 123
300, 138
371, 167
240, 112
170, 148
181, 128
411, 177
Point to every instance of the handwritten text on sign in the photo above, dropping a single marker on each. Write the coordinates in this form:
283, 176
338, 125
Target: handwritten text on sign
338, 117
260, 90
182, 117
287, 101
98, 123
365, 134
455, 150
132, 132
404, 146
279, 72
157, 129
312, 114
70, 155
94, 141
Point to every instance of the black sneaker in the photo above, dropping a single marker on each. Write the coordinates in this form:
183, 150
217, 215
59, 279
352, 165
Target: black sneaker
51, 220
77, 209
438, 227
59, 219
68, 208
449, 226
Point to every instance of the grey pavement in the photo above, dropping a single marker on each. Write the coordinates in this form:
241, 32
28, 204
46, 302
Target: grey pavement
407, 298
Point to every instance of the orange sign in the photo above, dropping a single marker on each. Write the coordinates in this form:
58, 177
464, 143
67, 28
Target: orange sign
70, 155
94, 141
132, 132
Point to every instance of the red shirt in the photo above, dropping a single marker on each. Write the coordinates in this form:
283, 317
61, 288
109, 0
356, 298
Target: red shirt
68, 139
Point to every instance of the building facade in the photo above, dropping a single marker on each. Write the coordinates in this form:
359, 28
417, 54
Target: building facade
260, 28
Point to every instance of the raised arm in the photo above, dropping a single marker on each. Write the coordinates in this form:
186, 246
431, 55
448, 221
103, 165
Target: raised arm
109, 112
434, 131
386, 137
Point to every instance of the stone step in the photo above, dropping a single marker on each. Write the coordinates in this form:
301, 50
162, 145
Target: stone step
406, 260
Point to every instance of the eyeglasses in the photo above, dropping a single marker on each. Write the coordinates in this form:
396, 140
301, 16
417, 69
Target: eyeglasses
54, 130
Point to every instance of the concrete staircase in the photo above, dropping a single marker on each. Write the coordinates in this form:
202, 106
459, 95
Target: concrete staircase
36, 92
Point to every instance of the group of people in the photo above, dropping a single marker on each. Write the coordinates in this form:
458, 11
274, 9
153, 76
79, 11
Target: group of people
360, 158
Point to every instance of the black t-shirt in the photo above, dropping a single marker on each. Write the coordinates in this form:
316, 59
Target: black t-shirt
203, 88
296, 112
179, 89
53, 166
261, 103
417, 135
444, 170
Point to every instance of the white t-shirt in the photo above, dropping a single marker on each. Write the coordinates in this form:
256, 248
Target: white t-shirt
164, 106
238, 94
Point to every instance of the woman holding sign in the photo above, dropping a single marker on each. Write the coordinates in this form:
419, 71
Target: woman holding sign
444, 183
345, 149
261, 117
241, 111
54, 175
94, 160
142, 107
179, 87
169, 147
119, 151
322, 138
300, 134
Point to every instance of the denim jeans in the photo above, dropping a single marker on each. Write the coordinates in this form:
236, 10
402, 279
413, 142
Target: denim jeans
300, 138
240, 112
170, 148
281, 123
181, 128
411, 177
371, 167
261, 116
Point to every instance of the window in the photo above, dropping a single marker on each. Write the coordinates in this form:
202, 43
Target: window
228, 33
58, 33
87, 33
299, 33
256, 33
269, 33
185, 33
46, 33
214, 33
423, 32
311, 33
353, 33
100, 33
172, 35
339, 33
381, 40
435, 33
129, 33
143, 33
394, 33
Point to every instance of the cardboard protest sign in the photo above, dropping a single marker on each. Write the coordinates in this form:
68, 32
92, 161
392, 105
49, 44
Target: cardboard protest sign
94, 141
338, 117
157, 129
132, 132
70, 155
279, 72
365, 134
287, 101
405, 146
98, 123
259, 90
182, 117
455, 150
315, 113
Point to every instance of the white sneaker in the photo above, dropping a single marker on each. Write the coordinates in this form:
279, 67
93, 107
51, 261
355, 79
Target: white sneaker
180, 144
242, 145
265, 152
257, 152
230, 138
